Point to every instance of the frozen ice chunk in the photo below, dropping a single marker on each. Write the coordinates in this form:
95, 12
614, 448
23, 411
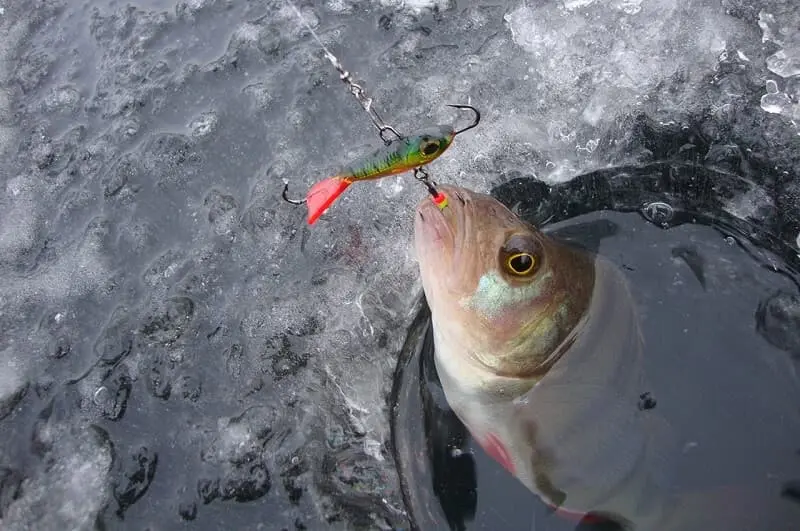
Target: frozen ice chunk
69, 487
416, 6
571, 5
785, 64
781, 28
630, 7
62, 99
766, 21
339, 6
780, 102
204, 125
237, 459
634, 52
776, 103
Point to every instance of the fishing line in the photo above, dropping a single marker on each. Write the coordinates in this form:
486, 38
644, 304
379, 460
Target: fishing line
400, 154
355, 89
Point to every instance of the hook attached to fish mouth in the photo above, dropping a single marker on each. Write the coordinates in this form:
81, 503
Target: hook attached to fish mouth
469, 108
438, 198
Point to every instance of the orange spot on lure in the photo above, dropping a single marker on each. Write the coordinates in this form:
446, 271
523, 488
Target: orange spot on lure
399, 156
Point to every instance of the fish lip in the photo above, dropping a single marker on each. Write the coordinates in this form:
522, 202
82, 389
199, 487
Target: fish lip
431, 218
430, 225
443, 228
455, 199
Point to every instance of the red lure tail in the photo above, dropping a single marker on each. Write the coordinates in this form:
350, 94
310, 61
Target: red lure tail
322, 195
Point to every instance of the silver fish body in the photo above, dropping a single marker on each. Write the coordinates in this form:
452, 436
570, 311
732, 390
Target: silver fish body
539, 353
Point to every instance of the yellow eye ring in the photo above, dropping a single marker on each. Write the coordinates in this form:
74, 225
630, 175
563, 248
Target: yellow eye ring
521, 264
429, 148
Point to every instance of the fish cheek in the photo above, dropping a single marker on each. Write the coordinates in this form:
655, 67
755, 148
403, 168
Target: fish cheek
512, 323
496, 299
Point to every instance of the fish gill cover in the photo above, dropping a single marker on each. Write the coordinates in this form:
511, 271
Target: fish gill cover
175, 341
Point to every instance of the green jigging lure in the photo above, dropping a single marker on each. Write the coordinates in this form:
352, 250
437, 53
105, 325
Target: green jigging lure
399, 156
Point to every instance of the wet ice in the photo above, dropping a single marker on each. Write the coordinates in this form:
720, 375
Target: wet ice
780, 27
71, 490
13, 382
140, 201
779, 30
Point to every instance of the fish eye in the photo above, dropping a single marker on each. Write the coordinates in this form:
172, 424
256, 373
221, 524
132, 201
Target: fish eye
429, 147
521, 255
521, 264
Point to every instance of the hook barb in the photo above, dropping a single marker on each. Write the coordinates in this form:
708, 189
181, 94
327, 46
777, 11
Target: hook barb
291, 201
469, 108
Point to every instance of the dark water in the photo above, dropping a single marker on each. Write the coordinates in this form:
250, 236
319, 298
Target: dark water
177, 348
718, 307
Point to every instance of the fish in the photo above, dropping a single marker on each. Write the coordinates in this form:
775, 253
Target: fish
398, 156
539, 351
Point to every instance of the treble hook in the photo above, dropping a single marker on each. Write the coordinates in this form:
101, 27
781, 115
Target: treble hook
470, 108
291, 201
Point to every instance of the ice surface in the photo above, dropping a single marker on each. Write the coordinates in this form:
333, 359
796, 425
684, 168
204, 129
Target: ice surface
779, 28
12, 33
166, 294
13, 380
416, 6
623, 64
70, 490
18, 233
754, 204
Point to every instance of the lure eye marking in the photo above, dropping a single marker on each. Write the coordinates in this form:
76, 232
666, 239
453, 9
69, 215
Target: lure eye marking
429, 146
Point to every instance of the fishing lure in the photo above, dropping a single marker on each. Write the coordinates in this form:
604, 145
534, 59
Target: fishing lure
398, 156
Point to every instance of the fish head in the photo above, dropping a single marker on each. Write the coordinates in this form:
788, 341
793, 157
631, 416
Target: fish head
507, 294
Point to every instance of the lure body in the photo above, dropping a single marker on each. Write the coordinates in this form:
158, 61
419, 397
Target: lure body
400, 156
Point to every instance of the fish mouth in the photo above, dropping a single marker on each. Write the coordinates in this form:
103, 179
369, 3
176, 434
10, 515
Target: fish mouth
436, 226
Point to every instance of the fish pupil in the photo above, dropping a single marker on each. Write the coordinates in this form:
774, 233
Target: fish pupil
521, 263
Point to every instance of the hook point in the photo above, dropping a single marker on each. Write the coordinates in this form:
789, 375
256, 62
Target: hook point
469, 108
